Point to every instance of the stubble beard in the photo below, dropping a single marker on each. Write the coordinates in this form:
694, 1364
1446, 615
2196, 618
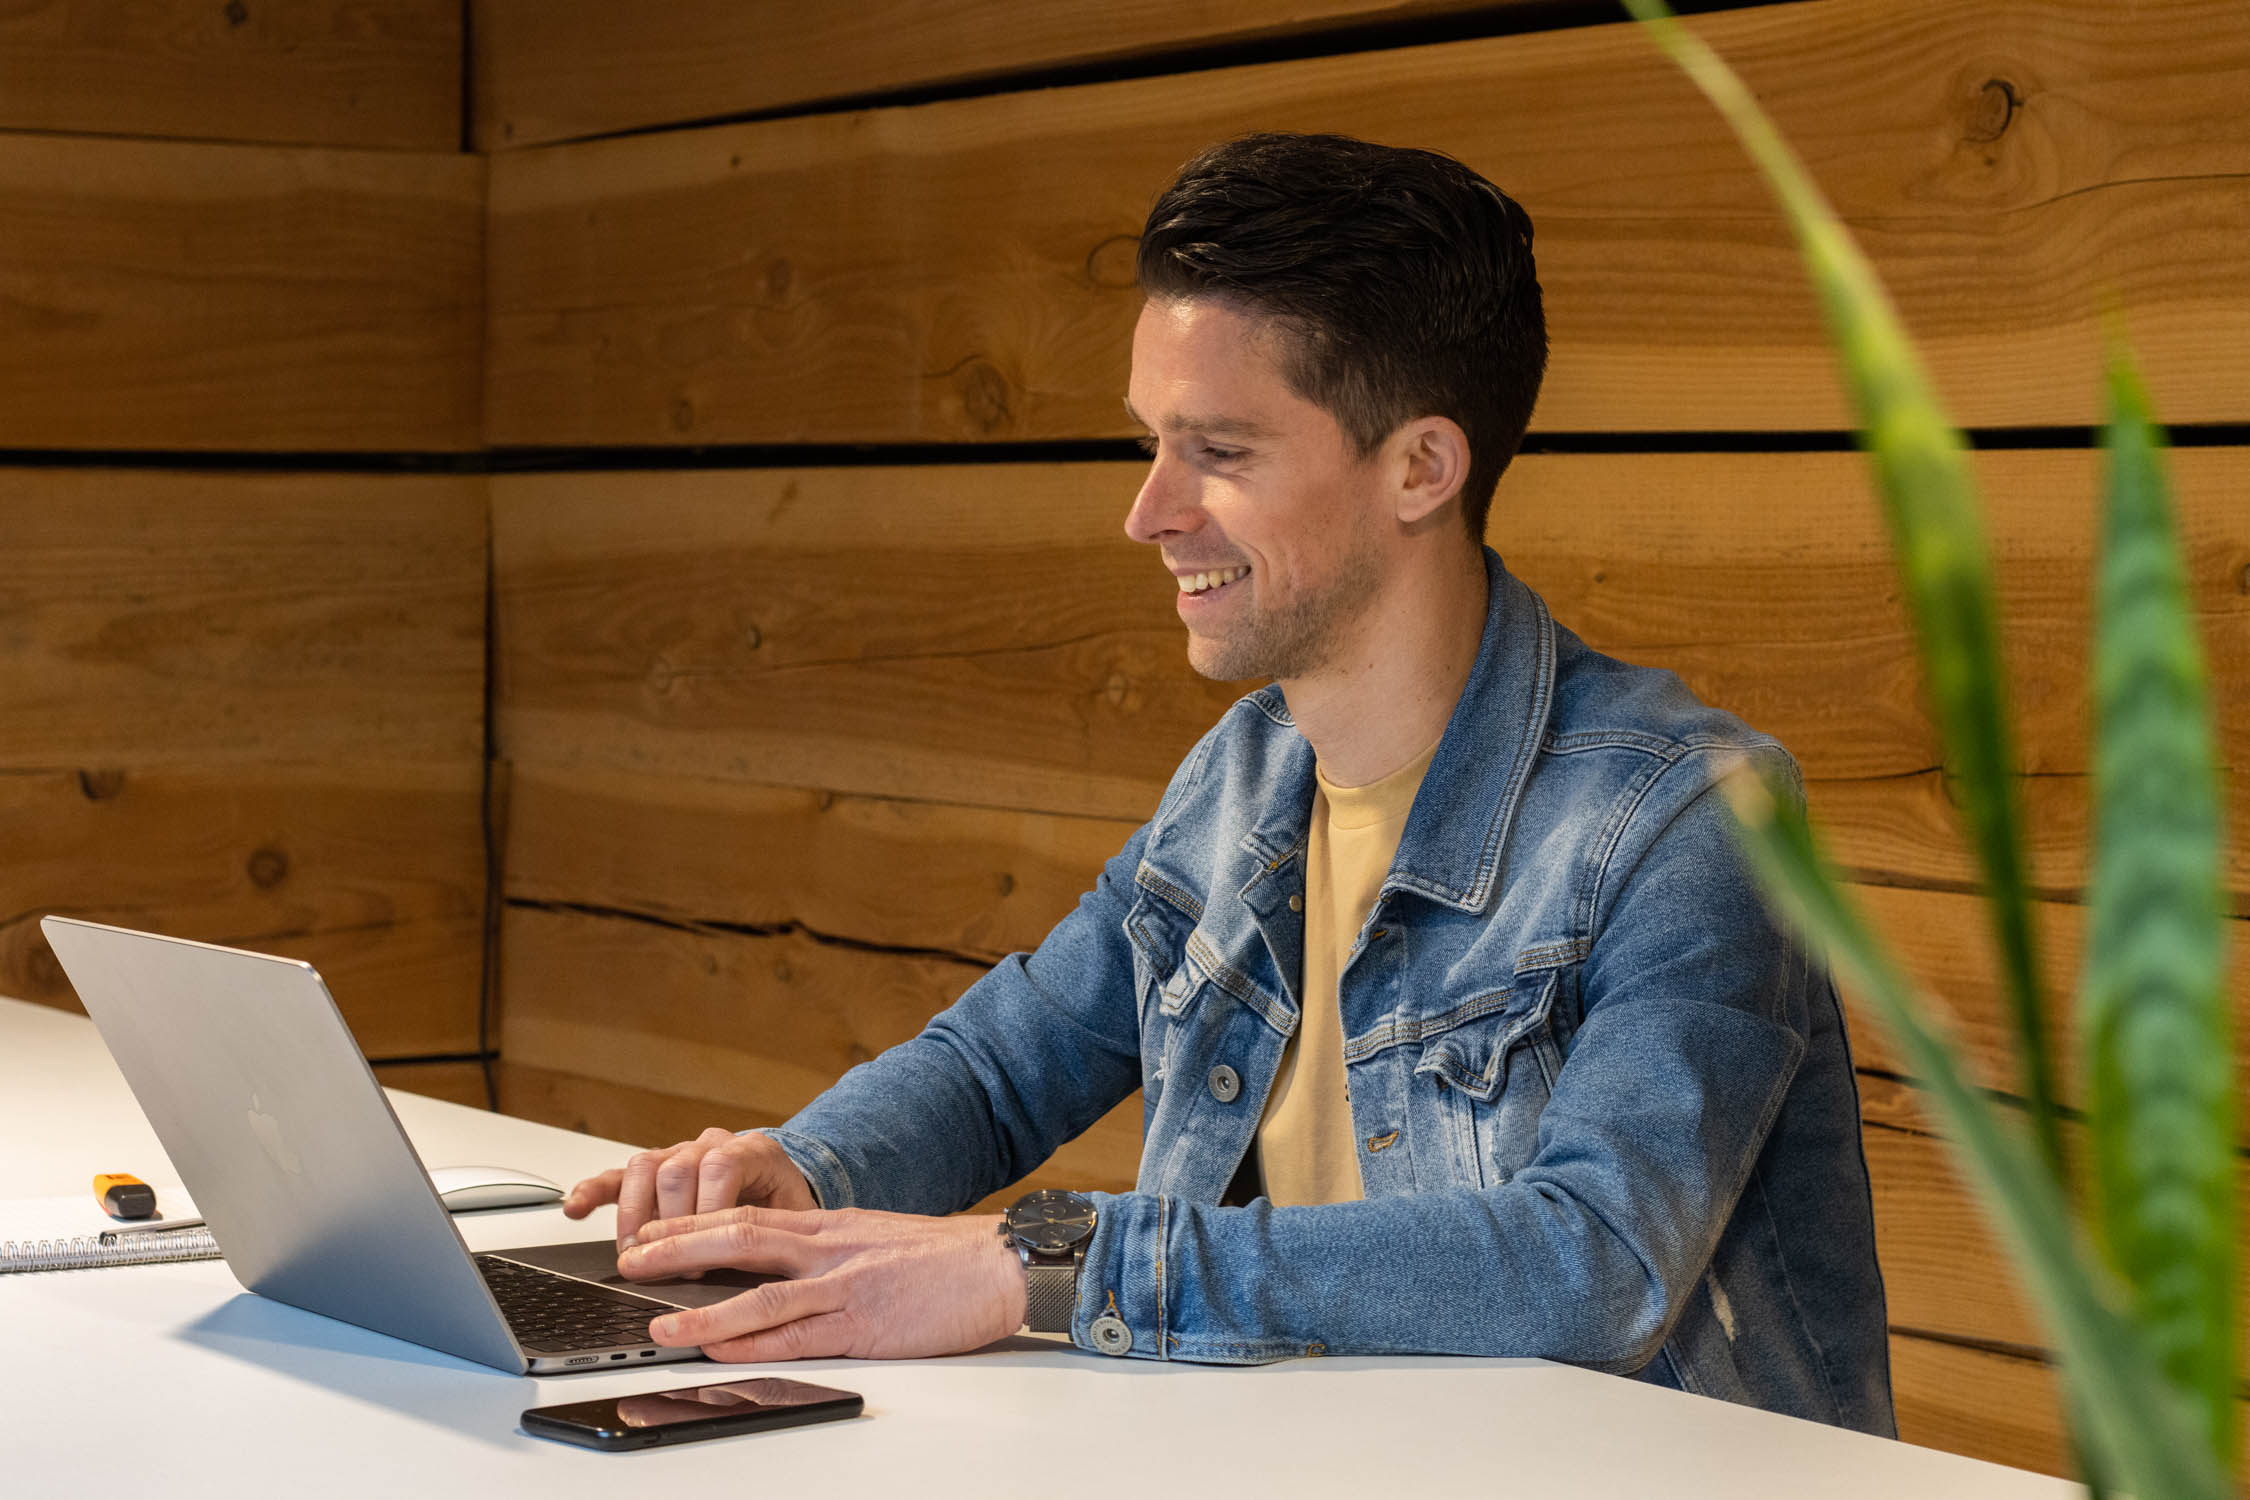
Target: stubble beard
1294, 640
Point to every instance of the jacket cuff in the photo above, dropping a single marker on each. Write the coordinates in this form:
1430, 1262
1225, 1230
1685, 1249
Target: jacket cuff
1121, 1289
824, 1173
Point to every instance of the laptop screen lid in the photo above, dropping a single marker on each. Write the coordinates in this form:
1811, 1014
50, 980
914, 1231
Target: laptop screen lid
276, 1124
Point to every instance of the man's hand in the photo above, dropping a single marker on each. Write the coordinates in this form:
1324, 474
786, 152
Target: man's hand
863, 1284
716, 1170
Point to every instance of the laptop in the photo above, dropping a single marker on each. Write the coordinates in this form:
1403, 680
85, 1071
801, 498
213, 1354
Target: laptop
294, 1158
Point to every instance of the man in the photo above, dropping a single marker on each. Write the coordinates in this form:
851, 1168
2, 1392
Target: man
1460, 1026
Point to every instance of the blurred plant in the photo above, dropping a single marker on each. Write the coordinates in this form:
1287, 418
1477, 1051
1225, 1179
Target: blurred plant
2141, 1308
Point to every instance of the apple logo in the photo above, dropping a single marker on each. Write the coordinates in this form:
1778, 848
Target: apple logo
268, 1131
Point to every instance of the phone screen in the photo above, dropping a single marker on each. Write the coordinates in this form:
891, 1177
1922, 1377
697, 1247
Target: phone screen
691, 1412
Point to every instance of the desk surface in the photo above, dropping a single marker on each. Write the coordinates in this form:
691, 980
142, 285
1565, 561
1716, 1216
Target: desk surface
173, 1380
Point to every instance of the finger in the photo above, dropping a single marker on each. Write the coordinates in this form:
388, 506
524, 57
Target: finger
719, 1177
636, 1193
825, 1336
731, 1239
592, 1193
675, 1181
762, 1307
800, 1221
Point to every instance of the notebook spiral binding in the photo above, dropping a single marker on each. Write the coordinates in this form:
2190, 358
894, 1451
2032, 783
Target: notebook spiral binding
111, 1249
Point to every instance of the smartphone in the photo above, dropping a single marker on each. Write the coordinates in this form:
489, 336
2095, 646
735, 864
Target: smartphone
691, 1413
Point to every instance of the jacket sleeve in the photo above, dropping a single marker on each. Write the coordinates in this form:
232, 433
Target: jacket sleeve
1029, 1056
1694, 1014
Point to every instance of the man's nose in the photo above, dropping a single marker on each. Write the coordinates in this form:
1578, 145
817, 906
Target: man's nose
1165, 505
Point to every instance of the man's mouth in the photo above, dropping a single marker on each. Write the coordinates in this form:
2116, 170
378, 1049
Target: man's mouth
1203, 583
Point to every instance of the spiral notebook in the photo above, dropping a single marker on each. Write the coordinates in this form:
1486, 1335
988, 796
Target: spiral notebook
72, 1234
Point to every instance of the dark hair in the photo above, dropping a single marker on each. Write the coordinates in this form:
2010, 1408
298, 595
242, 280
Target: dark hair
1402, 280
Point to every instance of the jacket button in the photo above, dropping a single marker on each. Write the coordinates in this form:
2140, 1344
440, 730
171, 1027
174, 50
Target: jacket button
1111, 1336
1296, 903
1226, 1084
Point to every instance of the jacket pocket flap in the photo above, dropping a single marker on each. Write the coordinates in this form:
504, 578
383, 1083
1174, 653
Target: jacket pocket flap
1468, 1046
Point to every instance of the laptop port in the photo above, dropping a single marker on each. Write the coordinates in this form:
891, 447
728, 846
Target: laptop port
617, 1356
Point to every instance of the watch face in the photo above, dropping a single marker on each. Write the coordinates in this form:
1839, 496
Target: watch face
1051, 1221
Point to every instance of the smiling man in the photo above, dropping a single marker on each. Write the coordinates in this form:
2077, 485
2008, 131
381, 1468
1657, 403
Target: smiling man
1459, 1024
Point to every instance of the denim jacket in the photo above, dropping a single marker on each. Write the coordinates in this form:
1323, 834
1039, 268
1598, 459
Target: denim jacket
1605, 1109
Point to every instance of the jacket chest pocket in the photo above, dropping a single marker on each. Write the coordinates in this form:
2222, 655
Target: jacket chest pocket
1493, 1073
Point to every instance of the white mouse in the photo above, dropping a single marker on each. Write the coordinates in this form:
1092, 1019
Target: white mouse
465, 1189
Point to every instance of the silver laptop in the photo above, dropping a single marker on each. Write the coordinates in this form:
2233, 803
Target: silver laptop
290, 1149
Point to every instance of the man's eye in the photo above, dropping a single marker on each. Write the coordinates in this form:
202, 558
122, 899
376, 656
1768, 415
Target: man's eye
1221, 455
1146, 442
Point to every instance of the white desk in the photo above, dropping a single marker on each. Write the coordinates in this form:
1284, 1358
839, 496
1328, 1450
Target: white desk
171, 1380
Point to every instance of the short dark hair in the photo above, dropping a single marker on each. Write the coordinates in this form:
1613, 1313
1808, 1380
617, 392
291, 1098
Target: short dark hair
1402, 280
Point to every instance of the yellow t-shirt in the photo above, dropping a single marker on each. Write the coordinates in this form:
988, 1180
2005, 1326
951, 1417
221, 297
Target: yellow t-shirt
1305, 1142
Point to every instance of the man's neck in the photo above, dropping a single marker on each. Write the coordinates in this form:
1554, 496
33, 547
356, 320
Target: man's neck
1388, 694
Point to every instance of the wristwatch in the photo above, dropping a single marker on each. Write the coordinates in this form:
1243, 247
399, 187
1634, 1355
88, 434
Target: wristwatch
1049, 1230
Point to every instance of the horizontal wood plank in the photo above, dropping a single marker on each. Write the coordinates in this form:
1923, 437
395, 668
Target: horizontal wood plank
963, 270
311, 72
152, 618
1102, 1160
984, 634
374, 873
986, 882
454, 1082
756, 1024
550, 70
1979, 1403
167, 295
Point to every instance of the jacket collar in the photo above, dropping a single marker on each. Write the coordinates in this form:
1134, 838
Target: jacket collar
1450, 851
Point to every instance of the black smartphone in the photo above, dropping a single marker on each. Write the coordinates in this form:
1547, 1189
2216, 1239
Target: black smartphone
691, 1413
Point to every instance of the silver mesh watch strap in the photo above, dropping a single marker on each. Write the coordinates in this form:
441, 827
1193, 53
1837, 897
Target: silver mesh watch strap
1050, 1296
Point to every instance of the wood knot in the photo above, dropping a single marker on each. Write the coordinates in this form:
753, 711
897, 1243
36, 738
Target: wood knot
780, 277
1993, 110
1111, 264
268, 868
984, 394
683, 414
782, 973
46, 971
1005, 884
236, 12
100, 786
2243, 582
1117, 688
753, 637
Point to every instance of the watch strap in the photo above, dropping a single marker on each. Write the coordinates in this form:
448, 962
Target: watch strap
1050, 1295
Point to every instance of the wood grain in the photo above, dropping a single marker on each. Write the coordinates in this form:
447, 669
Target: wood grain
191, 297
374, 873
151, 618
986, 882
983, 634
312, 72
454, 1082
1980, 1403
549, 70
759, 1024
962, 270
1103, 1160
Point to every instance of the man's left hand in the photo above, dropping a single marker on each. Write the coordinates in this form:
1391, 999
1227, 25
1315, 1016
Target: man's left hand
861, 1284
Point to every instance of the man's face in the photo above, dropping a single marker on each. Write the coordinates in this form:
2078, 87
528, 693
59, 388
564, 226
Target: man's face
1264, 512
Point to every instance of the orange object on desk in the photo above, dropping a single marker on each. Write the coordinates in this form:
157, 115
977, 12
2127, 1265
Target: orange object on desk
124, 1196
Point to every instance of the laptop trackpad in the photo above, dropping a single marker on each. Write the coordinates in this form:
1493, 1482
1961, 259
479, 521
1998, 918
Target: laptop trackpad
596, 1260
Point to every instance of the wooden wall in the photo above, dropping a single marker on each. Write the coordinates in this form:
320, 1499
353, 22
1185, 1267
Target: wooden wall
242, 599
796, 720
797, 747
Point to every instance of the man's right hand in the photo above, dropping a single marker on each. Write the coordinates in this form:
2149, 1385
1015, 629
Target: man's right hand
718, 1169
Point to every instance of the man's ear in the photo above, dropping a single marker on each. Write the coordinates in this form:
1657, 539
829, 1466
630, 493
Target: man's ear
1431, 459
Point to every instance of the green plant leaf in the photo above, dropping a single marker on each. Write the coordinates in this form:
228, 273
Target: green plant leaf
2136, 1421
2153, 1017
1922, 472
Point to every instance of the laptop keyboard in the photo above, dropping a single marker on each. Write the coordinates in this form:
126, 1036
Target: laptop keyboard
555, 1315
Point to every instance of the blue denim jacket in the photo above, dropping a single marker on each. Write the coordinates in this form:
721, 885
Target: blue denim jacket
1605, 1109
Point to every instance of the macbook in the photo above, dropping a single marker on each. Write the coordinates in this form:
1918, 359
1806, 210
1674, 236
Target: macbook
293, 1156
